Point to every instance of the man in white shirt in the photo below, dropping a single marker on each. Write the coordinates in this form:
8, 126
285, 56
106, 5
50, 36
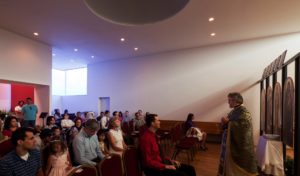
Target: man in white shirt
67, 123
105, 120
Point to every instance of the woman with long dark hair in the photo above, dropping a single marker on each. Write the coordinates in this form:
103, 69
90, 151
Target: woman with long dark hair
10, 125
193, 131
50, 122
75, 129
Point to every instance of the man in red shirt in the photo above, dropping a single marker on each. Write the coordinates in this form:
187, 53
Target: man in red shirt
153, 164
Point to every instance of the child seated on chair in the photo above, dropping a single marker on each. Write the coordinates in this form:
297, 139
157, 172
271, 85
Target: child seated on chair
102, 144
59, 163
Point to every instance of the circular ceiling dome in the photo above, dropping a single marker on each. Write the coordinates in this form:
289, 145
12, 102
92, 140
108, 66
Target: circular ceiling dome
135, 12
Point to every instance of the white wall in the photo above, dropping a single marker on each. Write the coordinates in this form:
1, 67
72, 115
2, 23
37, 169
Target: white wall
56, 103
42, 100
5, 97
193, 80
24, 60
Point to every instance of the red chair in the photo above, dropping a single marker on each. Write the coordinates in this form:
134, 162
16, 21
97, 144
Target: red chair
182, 143
5, 147
131, 127
164, 138
125, 128
131, 162
45, 152
84, 170
142, 129
111, 166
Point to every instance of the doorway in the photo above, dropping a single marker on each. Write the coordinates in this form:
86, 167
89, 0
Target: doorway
103, 104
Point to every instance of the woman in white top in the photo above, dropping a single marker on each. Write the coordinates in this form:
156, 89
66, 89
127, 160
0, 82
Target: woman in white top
67, 123
115, 137
18, 110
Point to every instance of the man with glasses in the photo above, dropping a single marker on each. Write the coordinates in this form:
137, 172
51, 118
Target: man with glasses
86, 146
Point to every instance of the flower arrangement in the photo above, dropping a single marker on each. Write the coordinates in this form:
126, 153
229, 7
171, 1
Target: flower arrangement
4, 114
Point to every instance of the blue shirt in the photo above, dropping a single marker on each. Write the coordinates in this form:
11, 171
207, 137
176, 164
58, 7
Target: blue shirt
86, 148
12, 165
29, 111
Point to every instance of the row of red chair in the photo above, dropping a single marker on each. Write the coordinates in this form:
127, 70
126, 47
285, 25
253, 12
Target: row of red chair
115, 165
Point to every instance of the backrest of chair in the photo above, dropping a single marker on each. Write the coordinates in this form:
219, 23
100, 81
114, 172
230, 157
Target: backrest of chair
184, 127
84, 170
45, 153
111, 166
179, 130
5, 147
125, 128
131, 162
131, 128
142, 129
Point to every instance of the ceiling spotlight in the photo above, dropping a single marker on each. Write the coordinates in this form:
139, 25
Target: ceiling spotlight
53, 54
136, 48
213, 34
36, 34
122, 39
75, 49
92, 56
211, 19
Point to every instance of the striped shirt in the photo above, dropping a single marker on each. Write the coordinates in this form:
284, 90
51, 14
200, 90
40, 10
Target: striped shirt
12, 165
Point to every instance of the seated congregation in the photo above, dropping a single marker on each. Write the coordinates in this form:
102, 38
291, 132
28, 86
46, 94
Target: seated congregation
104, 145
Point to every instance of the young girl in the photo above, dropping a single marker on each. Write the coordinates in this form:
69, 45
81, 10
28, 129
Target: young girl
57, 134
102, 144
59, 163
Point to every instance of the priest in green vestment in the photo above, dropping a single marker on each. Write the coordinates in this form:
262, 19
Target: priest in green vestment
237, 153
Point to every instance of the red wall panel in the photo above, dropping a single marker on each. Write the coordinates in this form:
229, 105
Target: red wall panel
20, 92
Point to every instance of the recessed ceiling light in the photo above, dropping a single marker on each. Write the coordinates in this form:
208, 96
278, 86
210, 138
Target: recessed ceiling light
211, 19
213, 34
36, 34
92, 56
122, 39
136, 48
75, 49
53, 54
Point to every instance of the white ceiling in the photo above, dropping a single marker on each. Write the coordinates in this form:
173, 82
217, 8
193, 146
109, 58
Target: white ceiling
68, 24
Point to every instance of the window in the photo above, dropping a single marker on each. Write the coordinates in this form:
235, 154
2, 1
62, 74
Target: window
58, 82
76, 82
69, 82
